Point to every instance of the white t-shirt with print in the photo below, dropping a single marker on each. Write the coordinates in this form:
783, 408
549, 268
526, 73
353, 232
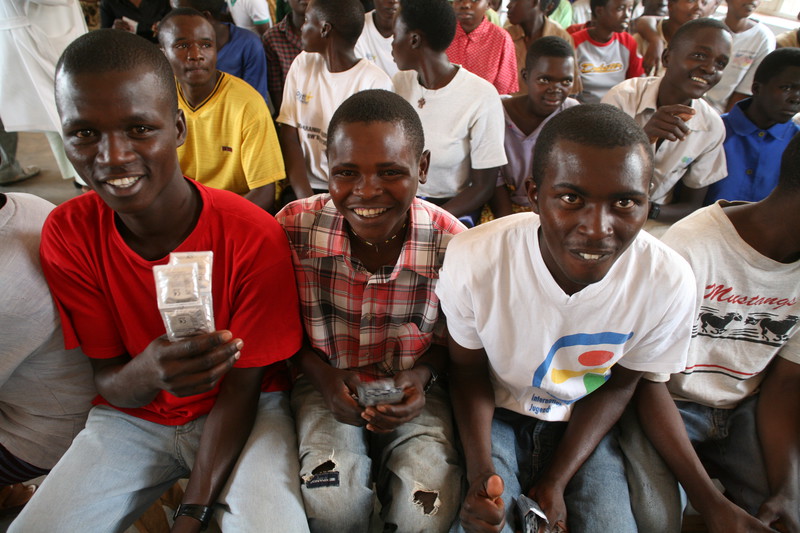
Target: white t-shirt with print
464, 128
749, 48
375, 47
546, 349
310, 97
747, 311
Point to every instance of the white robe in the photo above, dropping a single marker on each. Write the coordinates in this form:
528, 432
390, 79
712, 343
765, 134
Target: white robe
33, 33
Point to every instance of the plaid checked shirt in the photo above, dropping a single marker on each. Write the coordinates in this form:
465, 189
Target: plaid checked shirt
377, 324
281, 45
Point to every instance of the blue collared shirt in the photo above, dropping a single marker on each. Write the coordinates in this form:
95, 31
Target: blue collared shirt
753, 155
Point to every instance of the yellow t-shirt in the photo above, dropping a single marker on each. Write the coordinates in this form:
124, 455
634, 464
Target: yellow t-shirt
231, 142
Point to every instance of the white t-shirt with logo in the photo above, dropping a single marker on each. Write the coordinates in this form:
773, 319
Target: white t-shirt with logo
464, 128
546, 349
310, 97
749, 48
746, 312
375, 47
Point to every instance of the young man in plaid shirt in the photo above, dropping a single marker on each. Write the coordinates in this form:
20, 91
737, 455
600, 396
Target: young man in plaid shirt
367, 257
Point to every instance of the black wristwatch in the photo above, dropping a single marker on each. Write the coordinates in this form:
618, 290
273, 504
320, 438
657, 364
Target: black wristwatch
201, 513
434, 376
655, 210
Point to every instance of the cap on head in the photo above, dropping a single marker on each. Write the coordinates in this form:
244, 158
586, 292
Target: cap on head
597, 125
107, 50
378, 105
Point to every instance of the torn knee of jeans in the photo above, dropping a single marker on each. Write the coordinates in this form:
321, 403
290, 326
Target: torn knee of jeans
324, 475
428, 500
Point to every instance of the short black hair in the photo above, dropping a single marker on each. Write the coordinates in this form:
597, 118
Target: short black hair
178, 12
215, 7
345, 16
379, 105
550, 46
597, 125
693, 26
775, 62
435, 19
789, 177
594, 4
107, 50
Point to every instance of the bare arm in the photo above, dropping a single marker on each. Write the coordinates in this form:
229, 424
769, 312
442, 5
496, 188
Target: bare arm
263, 197
592, 417
647, 28
664, 427
294, 161
473, 405
225, 432
472, 198
501, 202
778, 419
183, 368
689, 201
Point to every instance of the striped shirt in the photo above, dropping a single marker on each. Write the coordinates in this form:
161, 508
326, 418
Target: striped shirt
375, 323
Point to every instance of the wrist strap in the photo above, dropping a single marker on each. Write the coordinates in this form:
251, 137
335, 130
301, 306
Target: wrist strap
434, 376
201, 513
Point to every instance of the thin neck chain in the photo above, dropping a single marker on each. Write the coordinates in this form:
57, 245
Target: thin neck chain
376, 245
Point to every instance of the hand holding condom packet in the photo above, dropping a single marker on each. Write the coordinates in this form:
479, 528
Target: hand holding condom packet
183, 292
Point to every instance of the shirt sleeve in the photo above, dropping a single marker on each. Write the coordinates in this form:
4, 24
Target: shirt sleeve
255, 68
258, 11
289, 109
486, 134
507, 76
86, 318
456, 304
635, 68
261, 153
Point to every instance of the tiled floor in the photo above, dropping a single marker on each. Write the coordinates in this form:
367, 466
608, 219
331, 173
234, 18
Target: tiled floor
34, 150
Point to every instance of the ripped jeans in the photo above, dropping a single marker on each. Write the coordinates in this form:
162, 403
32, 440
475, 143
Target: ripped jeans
416, 468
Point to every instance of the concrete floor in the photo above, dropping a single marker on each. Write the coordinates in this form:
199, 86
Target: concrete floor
34, 150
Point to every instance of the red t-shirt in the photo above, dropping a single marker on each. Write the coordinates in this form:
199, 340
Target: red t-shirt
106, 292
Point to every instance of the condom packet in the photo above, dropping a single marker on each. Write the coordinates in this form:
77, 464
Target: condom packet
379, 392
183, 293
531, 517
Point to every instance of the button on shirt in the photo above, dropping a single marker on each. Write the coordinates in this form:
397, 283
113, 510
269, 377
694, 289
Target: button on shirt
698, 160
487, 51
754, 157
375, 323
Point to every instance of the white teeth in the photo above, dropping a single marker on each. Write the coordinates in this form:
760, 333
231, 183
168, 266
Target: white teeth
123, 183
590, 257
368, 213
699, 80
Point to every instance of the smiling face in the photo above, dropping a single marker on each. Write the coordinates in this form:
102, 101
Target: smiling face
695, 64
741, 9
615, 15
777, 100
549, 81
470, 13
682, 11
121, 133
591, 203
189, 42
374, 175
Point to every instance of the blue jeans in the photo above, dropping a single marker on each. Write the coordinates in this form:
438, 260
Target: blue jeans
119, 465
415, 468
726, 441
597, 495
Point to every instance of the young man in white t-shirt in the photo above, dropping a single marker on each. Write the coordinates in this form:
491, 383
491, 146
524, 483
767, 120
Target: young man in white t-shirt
752, 41
734, 413
552, 321
375, 42
321, 77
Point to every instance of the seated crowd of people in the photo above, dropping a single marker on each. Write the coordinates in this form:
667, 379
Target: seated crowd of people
415, 270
